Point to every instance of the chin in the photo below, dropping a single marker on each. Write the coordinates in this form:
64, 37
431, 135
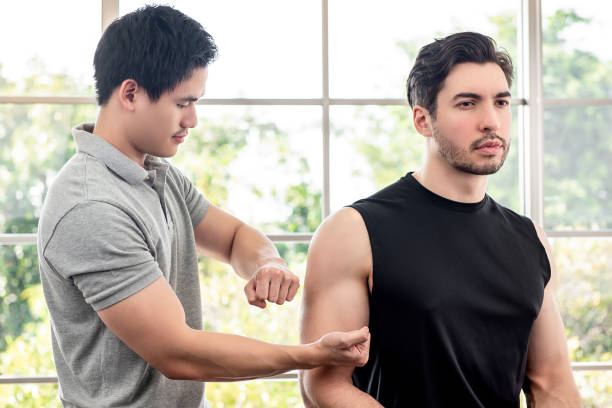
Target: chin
165, 154
479, 170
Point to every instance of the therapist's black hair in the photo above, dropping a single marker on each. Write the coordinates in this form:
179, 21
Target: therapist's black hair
157, 46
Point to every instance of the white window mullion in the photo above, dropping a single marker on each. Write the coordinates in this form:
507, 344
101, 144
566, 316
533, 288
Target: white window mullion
110, 11
578, 102
326, 206
534, 136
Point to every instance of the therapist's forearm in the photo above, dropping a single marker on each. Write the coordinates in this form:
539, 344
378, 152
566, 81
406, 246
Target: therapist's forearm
250, 250
208, 356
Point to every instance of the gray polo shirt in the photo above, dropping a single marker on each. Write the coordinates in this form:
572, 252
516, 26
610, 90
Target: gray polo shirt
108, 229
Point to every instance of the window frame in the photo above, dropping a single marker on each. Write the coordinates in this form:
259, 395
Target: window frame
531, 105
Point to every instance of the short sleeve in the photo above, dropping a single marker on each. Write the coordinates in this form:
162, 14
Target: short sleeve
103, 251
196, 203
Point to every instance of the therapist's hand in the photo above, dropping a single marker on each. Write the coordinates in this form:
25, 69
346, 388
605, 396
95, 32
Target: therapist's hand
272, 282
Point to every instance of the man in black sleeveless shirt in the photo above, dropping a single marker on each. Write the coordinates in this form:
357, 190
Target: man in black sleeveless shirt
457, 290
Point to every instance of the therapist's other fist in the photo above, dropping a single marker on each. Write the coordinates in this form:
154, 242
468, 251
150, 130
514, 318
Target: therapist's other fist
271, 282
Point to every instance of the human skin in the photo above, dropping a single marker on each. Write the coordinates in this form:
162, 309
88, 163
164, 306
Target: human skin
467, 140
152, 321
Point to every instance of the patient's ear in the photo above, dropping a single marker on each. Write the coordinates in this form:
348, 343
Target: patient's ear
422, 120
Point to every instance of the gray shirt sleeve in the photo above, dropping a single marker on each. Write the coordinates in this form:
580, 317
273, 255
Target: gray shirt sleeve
197, 204
103, 251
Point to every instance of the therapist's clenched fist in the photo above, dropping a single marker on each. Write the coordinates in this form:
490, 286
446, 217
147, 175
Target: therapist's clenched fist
272, 282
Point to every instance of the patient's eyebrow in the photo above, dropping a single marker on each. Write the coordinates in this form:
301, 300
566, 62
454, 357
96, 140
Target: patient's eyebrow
505, 94
476, 96
467, 95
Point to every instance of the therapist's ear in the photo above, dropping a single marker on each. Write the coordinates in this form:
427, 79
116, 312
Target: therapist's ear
129, 91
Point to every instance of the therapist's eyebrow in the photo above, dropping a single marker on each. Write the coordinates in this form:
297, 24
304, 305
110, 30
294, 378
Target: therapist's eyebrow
189, 99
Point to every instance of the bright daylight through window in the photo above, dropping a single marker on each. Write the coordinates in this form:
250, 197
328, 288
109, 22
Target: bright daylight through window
304, 113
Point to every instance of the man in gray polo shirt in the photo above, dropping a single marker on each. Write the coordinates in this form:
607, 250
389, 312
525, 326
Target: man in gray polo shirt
120, 231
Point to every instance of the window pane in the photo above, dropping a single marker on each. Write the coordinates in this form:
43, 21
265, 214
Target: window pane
577, 171
370, 148
595, 388
29, 395
35, 142
226, 310
373, 146
263, 393
25, 336
577, 57
372, 45
267, 48
584, 295
262, 164
46, 49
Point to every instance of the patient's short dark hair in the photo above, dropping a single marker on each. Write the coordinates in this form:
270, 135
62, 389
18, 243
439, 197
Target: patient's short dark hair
436, 60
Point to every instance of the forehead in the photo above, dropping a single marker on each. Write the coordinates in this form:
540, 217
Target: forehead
193, 85
483, 79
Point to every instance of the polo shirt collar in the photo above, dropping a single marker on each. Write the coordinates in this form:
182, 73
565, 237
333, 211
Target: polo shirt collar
119, 163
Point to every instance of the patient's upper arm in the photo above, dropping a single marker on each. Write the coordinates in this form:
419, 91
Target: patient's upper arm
336, 284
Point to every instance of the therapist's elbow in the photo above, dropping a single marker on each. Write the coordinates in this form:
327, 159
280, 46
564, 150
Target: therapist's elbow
178, 368
176, 362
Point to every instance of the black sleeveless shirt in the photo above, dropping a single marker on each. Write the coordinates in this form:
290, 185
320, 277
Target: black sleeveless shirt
456, 289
